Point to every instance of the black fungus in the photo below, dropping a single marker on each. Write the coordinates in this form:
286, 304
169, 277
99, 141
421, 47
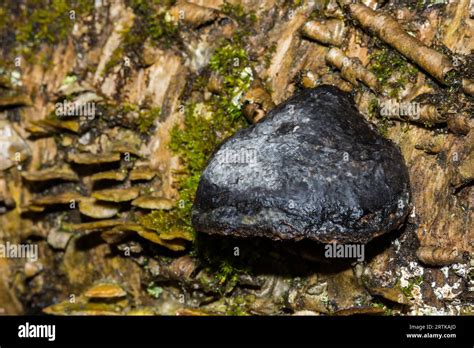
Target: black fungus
314, 168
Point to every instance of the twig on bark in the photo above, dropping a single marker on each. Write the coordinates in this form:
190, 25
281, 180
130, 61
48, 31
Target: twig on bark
435, 256
352, 69
328, 32
193, 14
391, 32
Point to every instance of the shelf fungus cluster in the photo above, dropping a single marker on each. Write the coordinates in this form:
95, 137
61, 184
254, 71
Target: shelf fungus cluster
98, 177
313, 168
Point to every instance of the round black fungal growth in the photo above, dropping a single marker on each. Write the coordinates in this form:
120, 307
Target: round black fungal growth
312, 169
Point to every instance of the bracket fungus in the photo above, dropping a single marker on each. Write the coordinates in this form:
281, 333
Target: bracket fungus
313, 168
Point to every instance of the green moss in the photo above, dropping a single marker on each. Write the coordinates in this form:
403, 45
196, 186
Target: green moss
268, 55
236, 306
246, 20
373, 108
232, 63
49, 23
152, 21
129, 107
235, 11
382, 127
392, 70
228, 60
222, 277
146, 119
221, 262
226, 273
131, 45
69, 79
422, 4
42, 21
114, 60
407, 290
4, 20
162, 222
200, 134
453, 79
267, 84
293, 4
194, 144
382, 121
154, 290
387, 310
238, 13
162, 30
205, 126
